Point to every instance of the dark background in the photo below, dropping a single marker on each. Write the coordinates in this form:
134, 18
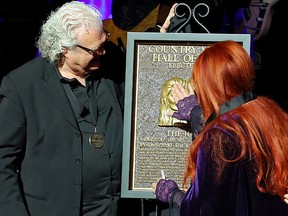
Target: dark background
20, 22
19, 27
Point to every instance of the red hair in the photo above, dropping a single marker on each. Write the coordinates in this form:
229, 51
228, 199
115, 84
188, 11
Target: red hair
223, 71
258, 127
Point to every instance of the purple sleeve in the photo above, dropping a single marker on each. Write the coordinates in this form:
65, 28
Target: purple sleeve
167, 191
185, 106
164, 189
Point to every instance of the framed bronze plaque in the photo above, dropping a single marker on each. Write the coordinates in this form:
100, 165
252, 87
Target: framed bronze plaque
152, 140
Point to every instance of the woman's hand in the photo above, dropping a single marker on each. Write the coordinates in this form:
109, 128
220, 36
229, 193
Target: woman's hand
286, 198
166, 24
178, 92
164, 188
185, 101
154, 185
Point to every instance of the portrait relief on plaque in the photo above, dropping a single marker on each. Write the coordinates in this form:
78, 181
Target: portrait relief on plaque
167, 103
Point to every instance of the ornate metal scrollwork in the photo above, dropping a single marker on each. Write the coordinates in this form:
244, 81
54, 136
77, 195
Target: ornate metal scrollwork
183, 10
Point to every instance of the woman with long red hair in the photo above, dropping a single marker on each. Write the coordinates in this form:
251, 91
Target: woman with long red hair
238, 164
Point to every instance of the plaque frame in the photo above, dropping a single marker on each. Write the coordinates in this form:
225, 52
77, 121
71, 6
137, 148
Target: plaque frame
133, 60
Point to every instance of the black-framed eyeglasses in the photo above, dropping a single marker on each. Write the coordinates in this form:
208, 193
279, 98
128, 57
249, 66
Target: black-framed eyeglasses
98, 50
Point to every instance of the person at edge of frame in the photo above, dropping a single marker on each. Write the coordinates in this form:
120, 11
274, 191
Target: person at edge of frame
61, 120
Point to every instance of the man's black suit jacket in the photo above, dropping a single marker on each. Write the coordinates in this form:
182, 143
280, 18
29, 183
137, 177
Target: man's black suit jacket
40, 143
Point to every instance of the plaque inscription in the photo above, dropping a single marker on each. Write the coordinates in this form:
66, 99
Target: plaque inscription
160, 145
